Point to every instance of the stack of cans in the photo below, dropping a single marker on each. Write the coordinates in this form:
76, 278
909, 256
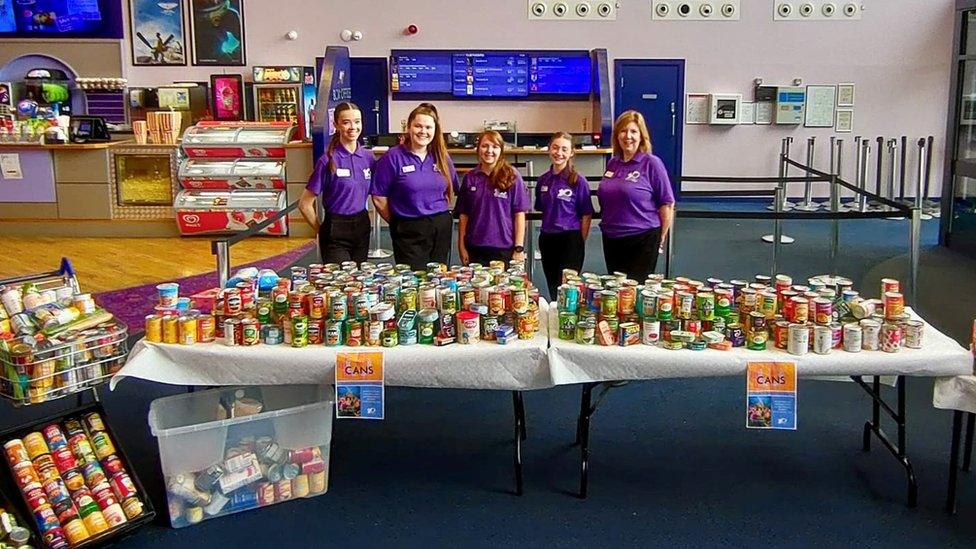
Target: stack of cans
72, 480
767, 312
368, 305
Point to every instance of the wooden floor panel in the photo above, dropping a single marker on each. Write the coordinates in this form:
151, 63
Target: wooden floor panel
113, 263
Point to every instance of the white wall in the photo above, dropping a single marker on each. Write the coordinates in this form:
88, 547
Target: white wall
898, 56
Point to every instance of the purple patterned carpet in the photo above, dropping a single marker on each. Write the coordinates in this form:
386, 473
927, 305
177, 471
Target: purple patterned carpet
131, 305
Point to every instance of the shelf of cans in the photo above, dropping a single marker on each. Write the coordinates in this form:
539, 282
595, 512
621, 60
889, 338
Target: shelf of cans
74, 481
247, 456
824, 314
369, 305
55, 341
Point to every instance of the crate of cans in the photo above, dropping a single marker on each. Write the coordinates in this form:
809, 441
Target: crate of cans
75, 481
823, 314
39, 369
359, 305
225, 451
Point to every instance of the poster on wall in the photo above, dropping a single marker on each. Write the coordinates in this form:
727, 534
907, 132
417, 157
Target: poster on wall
227, 96
157, 35
217, 27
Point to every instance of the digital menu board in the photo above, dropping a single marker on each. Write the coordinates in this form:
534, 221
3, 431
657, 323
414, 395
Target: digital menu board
490, 74
466, 74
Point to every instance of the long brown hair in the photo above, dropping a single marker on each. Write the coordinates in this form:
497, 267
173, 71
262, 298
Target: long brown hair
334, 140
571, 175
437, 147
626, 118
502, 174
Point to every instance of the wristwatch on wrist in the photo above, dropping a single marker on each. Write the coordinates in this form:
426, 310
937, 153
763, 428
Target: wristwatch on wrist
519, 249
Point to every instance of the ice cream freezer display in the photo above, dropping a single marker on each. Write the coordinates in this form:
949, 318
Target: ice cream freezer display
233, 174
237, 139
229, 211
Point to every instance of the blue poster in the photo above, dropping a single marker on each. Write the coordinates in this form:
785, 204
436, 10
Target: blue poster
7, 21
157, 35
359, 380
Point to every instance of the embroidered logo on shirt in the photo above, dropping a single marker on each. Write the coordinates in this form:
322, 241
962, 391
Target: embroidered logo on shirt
436, 169
501, 194
367, 173
565, 194
544, 189
633, 176
342, 172
473, 188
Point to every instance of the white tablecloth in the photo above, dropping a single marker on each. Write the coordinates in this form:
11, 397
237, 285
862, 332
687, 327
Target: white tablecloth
955, 393
520, 365
572, 363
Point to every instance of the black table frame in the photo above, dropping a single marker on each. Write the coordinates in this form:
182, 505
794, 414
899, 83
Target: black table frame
872, 427
967, 459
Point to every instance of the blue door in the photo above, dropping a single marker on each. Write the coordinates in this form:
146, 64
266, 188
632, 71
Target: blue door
368, 78
656, 89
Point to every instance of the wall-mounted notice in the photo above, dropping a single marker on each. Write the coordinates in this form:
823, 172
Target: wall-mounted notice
696, 108
845, 95
10, 166
821, 101
747, 113
764, 112
845, 121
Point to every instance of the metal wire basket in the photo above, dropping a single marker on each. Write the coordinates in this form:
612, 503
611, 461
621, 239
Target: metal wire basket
56, 368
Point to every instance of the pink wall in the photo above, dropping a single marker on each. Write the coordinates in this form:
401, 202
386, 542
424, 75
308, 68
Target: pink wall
898, 55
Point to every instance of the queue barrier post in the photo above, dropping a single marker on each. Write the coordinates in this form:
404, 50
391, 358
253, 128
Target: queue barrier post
222, 251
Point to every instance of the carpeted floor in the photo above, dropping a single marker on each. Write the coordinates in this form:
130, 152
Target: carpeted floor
671, 465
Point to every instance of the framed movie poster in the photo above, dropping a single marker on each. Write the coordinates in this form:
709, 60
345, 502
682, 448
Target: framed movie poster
227, 96
157, 34
218, 32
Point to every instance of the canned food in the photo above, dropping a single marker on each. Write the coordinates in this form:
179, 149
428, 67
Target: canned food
206, 328
154, 328
171, 329
16, 452
853, 338
891, 337
102, 444
798, 341
684, 303
232, 331
890, 285
914, 331
133, 508
894, 305
800, 309
35, 445
870, 335
665, 305
705, 304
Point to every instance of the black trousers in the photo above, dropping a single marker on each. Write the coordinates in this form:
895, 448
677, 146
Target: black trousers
344, 237
562, 250
485, 254
635, 255
418, 241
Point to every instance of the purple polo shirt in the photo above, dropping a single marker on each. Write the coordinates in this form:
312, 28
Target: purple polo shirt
562, 205
491, 213
346, 189
630, 194
414, 187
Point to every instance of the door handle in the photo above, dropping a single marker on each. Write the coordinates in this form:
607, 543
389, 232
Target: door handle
673, 120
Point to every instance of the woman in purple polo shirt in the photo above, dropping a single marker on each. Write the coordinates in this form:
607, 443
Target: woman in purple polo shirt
342, 178
563, 197
492, 202
413, 185
636, 200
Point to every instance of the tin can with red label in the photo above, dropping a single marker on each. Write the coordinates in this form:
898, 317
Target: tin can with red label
16, 452
122, 486
233, 303
54, 437
250, 332
46, 518
894, 304
316, 306
266, 493
35, 497
206, 328
823, 311
693, 326
890, 285
47, 472
114, 515
801, 310
283, 490
81, 448
64, 460
104, 495
56, 490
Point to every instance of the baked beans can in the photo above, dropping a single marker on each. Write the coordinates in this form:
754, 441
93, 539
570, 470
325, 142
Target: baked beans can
853, 337
781, 334
35, 496
894, 305
16, 452
35, 445
914, 331
250, 332
798, 342
338, 306
891, 337
333, 333
316, 306
206, 328
133, 507
56, 491
822, 340
823, 310
75, 531
315, 331
102, 444
890, 285
171, 329
801, 310
233, 302
154, 328
232, 331
64, 460
870, 335
112, 465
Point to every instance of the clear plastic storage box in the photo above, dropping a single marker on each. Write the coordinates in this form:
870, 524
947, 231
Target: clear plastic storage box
224, 451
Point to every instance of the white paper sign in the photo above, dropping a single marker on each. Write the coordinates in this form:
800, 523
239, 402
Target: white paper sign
845, 121
764, 112
747, 113
10, 166
821, 101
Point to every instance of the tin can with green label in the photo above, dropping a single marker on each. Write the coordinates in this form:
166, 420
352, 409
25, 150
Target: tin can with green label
299, 331
567, 326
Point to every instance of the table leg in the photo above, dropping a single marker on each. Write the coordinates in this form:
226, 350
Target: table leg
583, 434
519, 436
954, 461
967, 459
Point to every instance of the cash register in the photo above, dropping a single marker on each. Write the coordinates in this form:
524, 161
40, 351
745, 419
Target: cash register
89, 129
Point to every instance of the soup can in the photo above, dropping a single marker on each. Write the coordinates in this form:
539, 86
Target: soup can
154, 328
870, 335
685, 304
822, 340
823, 310
801, 310
705, 303
891, 337
894, 304
852, 338
798, 342
650, 332
890, 285
665, 305
914, 331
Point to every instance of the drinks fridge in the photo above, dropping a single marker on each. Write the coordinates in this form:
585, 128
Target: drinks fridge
285, 94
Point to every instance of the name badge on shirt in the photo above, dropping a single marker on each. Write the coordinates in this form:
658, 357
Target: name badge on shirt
409, 168
472, 189
343, 172
608, 174
544, 189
